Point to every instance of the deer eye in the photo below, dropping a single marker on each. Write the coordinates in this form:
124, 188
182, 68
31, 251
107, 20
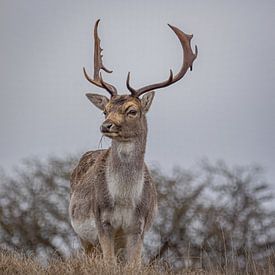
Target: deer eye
131, 113
104, 113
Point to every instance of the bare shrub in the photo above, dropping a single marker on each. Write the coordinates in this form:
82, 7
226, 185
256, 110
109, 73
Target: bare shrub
33, 208
214, 215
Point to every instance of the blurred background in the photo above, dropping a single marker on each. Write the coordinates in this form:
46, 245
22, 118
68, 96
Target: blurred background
223, 109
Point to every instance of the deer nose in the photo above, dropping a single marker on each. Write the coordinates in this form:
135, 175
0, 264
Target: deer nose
107, 126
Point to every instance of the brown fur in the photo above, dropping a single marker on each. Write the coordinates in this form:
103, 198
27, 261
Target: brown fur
105, 186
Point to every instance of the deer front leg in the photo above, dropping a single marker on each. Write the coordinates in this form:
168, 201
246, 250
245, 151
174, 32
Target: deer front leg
134, 248
135, 242
106, 240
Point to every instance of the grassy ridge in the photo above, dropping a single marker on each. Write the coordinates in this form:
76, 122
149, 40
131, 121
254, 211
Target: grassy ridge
16, 263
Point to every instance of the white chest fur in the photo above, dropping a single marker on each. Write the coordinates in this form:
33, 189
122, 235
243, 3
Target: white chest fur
125, 191
125, 186
126, 195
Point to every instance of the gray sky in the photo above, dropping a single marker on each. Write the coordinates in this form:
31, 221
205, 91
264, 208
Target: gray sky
224, 109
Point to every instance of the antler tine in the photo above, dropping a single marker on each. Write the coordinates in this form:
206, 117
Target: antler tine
98, 65
188, 55
132, 90
188, 59
137, 93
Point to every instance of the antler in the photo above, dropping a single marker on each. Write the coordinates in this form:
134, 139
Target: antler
98, 65
188, 59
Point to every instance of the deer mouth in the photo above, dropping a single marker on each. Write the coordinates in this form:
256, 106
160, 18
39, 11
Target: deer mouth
110, 134
116, 136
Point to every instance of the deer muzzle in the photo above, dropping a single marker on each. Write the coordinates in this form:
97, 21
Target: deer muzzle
108, 127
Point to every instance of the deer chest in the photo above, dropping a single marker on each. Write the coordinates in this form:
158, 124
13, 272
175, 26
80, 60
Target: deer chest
126, 193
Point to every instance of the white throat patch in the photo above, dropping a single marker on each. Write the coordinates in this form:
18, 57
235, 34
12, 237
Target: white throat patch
125, 151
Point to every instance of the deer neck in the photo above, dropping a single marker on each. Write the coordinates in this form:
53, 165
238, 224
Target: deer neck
125, 169
127, 157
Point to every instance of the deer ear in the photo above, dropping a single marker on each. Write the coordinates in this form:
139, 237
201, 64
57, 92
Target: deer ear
146, 101
100, 101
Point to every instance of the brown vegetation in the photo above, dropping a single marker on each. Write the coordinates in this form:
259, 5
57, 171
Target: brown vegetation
16, 263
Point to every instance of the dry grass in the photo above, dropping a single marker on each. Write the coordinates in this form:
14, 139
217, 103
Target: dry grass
18, 263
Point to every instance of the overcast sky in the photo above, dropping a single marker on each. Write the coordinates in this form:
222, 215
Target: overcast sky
223, 109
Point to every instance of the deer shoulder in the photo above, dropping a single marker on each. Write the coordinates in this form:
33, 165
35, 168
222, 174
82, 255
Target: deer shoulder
85, 163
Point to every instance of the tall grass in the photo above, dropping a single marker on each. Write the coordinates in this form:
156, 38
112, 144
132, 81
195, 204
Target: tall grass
19, 263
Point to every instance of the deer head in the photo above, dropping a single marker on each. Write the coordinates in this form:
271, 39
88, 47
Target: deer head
125, 114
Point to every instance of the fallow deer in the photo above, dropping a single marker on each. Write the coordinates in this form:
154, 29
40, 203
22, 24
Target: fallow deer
113, 198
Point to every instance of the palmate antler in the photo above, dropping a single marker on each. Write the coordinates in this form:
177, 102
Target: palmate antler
188, 59
98, 65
